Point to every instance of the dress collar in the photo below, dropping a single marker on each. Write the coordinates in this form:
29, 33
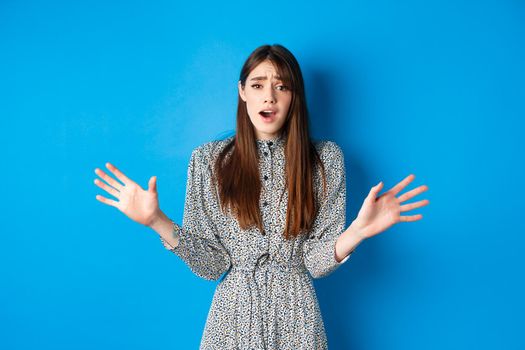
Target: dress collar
276, 141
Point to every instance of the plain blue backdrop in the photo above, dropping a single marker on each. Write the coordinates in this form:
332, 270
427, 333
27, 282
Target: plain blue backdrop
433, 88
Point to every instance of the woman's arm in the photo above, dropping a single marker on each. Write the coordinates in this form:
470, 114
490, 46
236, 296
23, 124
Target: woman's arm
197, 240
320, 254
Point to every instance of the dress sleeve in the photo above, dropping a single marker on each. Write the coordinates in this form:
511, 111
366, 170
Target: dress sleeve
198, 244
330, 223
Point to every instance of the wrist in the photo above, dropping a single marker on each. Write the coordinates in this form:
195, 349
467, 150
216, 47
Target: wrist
357, 230
348, 241
165, 227
158, 219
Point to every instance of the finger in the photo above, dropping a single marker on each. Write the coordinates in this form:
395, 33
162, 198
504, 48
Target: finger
109, 179
408, 218
107, 201
152, 184
414, 205
118, 173
107, 188
412, 193
402, 184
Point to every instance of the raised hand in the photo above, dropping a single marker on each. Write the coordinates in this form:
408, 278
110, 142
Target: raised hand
136, 203
379, 213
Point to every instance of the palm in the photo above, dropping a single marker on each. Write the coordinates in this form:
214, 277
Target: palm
379, 213
136, 203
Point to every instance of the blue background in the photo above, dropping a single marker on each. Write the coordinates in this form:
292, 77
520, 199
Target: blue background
433, 88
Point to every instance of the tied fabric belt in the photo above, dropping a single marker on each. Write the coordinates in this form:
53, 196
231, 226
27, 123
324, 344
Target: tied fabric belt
264, 262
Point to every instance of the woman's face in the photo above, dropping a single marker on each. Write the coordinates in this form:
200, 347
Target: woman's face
264, 91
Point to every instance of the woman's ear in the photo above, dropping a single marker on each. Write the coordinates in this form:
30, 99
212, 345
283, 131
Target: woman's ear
241, 91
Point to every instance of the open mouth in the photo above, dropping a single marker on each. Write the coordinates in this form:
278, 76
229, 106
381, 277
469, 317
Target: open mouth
267, 114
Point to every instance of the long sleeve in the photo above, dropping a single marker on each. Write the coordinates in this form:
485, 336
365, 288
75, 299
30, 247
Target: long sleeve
199, 245
330, 223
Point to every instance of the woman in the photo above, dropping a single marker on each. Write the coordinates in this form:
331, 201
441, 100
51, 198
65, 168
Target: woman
267, 207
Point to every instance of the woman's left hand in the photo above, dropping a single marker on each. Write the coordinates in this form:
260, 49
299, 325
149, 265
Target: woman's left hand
379, 213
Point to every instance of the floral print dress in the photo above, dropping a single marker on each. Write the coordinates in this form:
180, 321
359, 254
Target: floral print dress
265, 298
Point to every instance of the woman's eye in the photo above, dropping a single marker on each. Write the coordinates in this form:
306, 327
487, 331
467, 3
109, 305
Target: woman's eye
280, 87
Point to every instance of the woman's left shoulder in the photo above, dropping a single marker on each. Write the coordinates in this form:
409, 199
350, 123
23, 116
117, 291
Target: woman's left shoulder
328, 149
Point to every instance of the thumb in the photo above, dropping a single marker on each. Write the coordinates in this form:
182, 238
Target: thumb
152, 184
375, 190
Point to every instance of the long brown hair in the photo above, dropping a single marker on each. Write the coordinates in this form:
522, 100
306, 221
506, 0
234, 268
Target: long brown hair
237, 176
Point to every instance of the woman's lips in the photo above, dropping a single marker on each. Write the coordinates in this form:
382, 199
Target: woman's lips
267, 117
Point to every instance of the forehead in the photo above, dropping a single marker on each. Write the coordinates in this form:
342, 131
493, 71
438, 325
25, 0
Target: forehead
266, 69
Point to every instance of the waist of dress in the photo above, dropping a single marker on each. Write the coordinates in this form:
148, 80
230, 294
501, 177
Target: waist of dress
268, 266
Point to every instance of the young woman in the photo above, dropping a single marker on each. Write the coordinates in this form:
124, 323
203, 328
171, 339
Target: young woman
265, 209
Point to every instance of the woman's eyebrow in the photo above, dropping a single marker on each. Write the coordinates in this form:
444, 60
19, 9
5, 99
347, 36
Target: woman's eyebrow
277, 77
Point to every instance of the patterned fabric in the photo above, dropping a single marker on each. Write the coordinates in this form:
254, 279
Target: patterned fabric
266, 299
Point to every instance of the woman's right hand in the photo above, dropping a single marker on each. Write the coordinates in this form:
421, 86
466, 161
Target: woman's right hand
136, 203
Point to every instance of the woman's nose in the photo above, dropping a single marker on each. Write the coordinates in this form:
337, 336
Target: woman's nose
270, 97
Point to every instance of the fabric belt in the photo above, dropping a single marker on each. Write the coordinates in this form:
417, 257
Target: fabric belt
264, 262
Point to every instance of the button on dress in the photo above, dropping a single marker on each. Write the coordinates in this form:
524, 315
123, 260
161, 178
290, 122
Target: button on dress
265, 298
